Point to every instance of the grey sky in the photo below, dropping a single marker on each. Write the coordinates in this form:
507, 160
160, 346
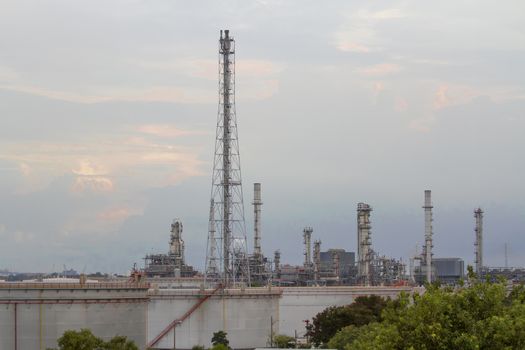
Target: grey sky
108, 111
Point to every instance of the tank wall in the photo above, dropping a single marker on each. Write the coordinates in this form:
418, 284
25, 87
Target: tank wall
298, 304
41, 320
246, 319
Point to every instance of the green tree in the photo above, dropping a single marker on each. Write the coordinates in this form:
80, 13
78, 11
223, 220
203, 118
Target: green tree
343, 337
481, 316
198, 347
362, 311
120, 343
86, 340
79, 340
220, 337
284, 341
220, 346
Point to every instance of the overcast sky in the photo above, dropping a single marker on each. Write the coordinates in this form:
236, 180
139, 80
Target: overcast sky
108, 112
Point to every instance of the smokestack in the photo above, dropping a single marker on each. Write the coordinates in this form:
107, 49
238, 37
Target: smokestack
478, 214
257, 204
364, 242
307, 235
428, 235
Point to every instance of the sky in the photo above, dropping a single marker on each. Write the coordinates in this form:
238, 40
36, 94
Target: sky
108, 111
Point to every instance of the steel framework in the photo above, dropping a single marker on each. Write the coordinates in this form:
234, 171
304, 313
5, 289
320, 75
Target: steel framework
226, 256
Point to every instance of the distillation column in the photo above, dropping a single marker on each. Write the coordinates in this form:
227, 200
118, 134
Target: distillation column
307, 235
364, 242
427, 251
277, 264
176, 242
257, 204
317, 259
478, 214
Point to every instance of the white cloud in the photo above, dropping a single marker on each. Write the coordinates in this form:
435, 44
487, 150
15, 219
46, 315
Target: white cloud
97, 184
88, 168
380, 69
380, 15
358, 32
167, 131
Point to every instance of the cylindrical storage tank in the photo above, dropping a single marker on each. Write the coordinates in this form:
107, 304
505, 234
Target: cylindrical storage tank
35, 315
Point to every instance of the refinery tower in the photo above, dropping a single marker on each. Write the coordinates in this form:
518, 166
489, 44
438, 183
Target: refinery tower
226, 256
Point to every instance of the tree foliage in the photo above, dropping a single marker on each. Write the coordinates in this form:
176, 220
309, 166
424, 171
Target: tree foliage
220, 347
362, 311
220, 337
284, 341
86, 340
481, 316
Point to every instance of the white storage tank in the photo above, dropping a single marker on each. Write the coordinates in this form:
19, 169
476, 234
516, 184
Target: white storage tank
33, 315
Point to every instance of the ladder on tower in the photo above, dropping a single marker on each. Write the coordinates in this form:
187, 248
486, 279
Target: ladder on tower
188, 313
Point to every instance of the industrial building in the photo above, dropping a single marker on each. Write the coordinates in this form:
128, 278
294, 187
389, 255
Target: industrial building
172, 264
449, 270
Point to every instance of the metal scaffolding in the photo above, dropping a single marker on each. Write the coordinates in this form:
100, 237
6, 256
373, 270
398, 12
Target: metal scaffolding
227, 232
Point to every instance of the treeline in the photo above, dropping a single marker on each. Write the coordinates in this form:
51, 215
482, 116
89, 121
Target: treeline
480, 315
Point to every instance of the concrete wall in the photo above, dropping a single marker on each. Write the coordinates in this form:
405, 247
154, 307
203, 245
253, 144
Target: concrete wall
43, 315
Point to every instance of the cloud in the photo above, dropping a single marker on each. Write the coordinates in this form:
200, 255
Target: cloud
115, 214
25, 169
23, 237
88, 168
167, 130
155, 93
401, 105
422, 125
101, 166
7, 74
355, 40
380, 69
96, 184
380, 15
358, 32
62, 95
379, 86
441, 100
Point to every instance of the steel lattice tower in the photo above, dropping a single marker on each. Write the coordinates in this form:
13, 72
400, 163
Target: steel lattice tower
226, 256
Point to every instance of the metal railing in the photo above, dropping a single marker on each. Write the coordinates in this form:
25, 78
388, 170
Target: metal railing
47, 285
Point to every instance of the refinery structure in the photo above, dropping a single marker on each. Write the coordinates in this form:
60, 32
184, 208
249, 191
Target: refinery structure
169, 304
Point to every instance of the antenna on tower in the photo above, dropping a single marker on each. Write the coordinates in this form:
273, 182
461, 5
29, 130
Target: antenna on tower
227, 228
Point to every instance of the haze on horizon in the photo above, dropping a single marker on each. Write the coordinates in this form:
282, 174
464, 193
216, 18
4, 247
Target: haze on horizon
108, 112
